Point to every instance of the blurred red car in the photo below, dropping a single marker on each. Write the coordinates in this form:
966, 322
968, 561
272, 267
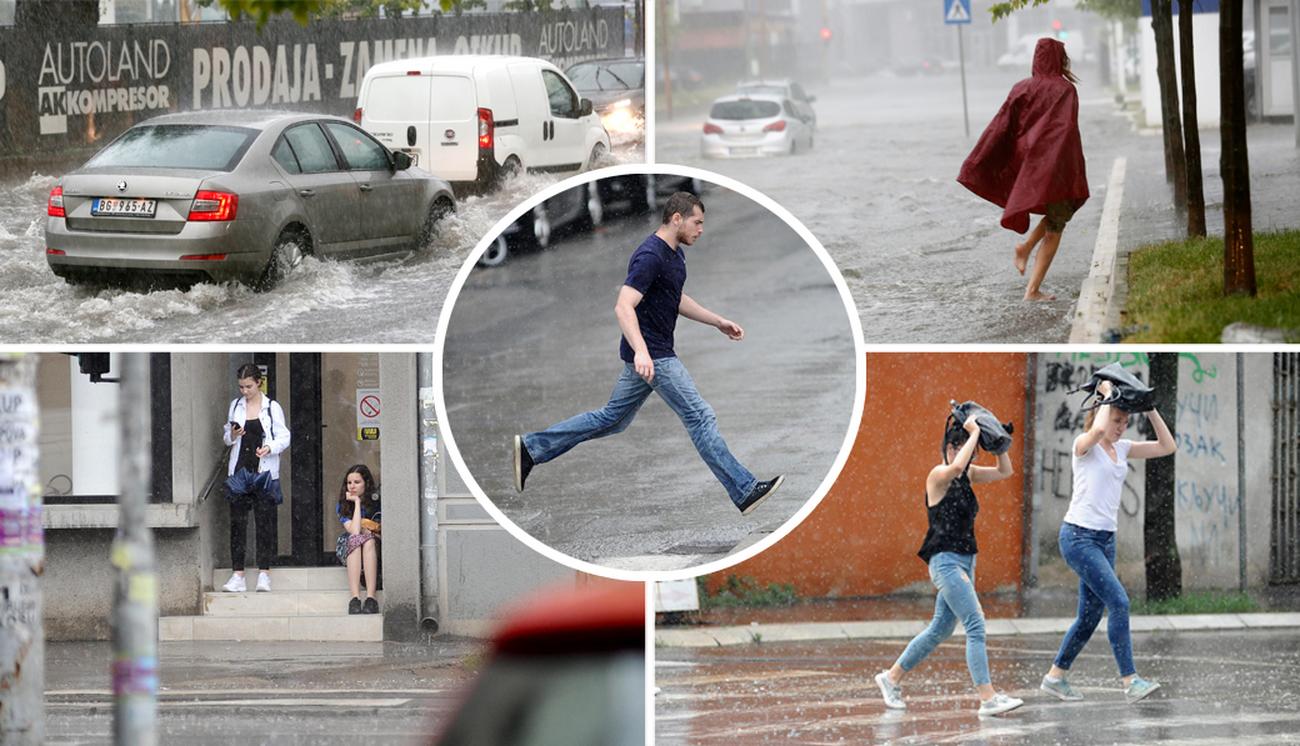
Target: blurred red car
566, 668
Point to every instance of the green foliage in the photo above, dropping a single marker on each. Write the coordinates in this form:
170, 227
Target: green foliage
1114, 9
1176, 289
303, 11
1204, 602
529, 6
742, 591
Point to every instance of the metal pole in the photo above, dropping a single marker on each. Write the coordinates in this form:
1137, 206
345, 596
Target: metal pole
1241, 472
22, 557
1295, 67
961, 53
135, 597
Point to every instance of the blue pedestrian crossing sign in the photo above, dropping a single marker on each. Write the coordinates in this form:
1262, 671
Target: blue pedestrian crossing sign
956, 11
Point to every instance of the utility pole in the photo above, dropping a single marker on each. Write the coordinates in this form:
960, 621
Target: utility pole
135, 592
22, 557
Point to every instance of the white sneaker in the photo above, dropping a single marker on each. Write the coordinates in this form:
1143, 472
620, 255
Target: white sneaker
892, 693
999, 704
236, 584
264, 582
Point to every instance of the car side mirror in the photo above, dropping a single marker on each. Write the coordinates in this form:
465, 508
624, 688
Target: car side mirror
401, 161
585, 108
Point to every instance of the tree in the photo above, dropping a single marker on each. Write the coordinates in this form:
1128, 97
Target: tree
1234, 164
1159, 543
1191, 125
304, 10
1162, 23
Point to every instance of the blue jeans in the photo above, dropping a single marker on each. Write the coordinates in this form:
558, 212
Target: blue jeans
1091, 554
675, 387
954, 575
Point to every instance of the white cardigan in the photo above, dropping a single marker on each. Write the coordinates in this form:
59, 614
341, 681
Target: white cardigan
276, 434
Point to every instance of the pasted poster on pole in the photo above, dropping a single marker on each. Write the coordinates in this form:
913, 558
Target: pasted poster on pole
367, 414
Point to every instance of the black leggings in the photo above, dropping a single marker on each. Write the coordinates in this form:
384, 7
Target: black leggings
266, 531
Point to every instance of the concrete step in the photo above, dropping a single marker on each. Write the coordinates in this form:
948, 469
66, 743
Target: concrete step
331, 628
291, 578
279, 603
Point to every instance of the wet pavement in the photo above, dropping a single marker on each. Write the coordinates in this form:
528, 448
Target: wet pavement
1217, 687
268, 693
535, 341
390, 301
918, 250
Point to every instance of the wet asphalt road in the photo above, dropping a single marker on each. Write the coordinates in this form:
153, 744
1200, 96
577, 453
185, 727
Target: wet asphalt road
268, 693
535, 341
926, 260
1217, 688
322, 302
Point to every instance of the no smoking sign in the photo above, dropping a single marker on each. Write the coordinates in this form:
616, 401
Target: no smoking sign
368, 409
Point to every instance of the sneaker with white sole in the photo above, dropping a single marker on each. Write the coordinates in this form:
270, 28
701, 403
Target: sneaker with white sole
999, 703
891, 692
1059, 688
264, 582
1139, 689
236, 584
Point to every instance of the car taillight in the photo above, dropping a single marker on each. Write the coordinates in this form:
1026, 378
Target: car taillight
55, 207
203, 258
56, 252
214, 206
777, 126
485, 129
712, 129
356, 115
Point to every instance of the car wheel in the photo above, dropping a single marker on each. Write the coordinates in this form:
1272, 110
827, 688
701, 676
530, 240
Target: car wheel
508, 170
286, 256
794, 147
496, 253
597, 157
439, 210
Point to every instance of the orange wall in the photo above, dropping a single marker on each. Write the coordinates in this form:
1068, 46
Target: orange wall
863, 537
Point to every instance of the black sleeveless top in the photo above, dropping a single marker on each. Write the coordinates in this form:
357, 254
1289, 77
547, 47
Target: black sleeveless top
248, 445
952, 521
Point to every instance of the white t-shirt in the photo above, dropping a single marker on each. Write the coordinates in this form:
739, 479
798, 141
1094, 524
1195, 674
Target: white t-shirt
1098, 484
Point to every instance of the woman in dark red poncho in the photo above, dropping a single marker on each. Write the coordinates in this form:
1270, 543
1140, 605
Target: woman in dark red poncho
1030, 160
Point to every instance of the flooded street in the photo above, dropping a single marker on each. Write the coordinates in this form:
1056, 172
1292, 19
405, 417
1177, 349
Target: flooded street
391, 301
879, 190
535, 341
1216, 687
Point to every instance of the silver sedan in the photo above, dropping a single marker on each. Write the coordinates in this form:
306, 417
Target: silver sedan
237, 195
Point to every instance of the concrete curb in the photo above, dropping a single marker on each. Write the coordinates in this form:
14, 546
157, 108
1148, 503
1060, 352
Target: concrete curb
710, 637
1096, 310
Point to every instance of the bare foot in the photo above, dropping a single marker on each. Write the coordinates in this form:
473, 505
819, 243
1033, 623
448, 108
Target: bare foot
1022, 257
1039, 295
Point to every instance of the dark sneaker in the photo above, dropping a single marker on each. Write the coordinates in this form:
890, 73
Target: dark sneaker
371, 606
523, 463
354, 606
759, 494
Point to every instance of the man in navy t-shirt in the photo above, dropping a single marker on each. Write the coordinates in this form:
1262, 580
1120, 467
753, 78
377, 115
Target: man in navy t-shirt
648, 305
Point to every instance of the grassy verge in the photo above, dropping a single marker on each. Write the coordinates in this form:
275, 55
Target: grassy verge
1203, 602
742, 591
1176, 290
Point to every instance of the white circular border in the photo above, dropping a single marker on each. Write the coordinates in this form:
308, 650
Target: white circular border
855, 419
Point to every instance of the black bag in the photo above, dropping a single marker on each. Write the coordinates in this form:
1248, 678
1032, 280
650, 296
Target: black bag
1127, 393
995, 437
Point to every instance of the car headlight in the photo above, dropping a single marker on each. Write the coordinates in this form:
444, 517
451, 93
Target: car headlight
622, 103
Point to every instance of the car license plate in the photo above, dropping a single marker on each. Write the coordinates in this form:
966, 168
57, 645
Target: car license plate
744, 151
126, 208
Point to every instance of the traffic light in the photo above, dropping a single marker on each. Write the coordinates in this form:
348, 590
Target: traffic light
95, 365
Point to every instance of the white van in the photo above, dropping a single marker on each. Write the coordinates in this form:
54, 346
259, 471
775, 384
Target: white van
470, 118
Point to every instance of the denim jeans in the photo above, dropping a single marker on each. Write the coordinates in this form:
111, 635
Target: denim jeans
674, 385
1091, 554
954, 575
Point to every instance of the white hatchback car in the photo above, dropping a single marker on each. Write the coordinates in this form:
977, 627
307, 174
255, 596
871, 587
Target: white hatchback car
744, 125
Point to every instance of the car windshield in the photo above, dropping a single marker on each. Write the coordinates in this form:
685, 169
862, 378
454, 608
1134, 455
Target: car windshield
745, 109
612, 76
198, 146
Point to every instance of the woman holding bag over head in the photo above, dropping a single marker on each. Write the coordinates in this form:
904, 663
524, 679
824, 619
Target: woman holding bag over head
359, 511
256, 432
949, 551
1087, 538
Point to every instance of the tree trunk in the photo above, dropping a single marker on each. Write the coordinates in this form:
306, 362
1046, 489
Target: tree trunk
1162, 22
1164, 569
1234, 163
1191, 124
22, 557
